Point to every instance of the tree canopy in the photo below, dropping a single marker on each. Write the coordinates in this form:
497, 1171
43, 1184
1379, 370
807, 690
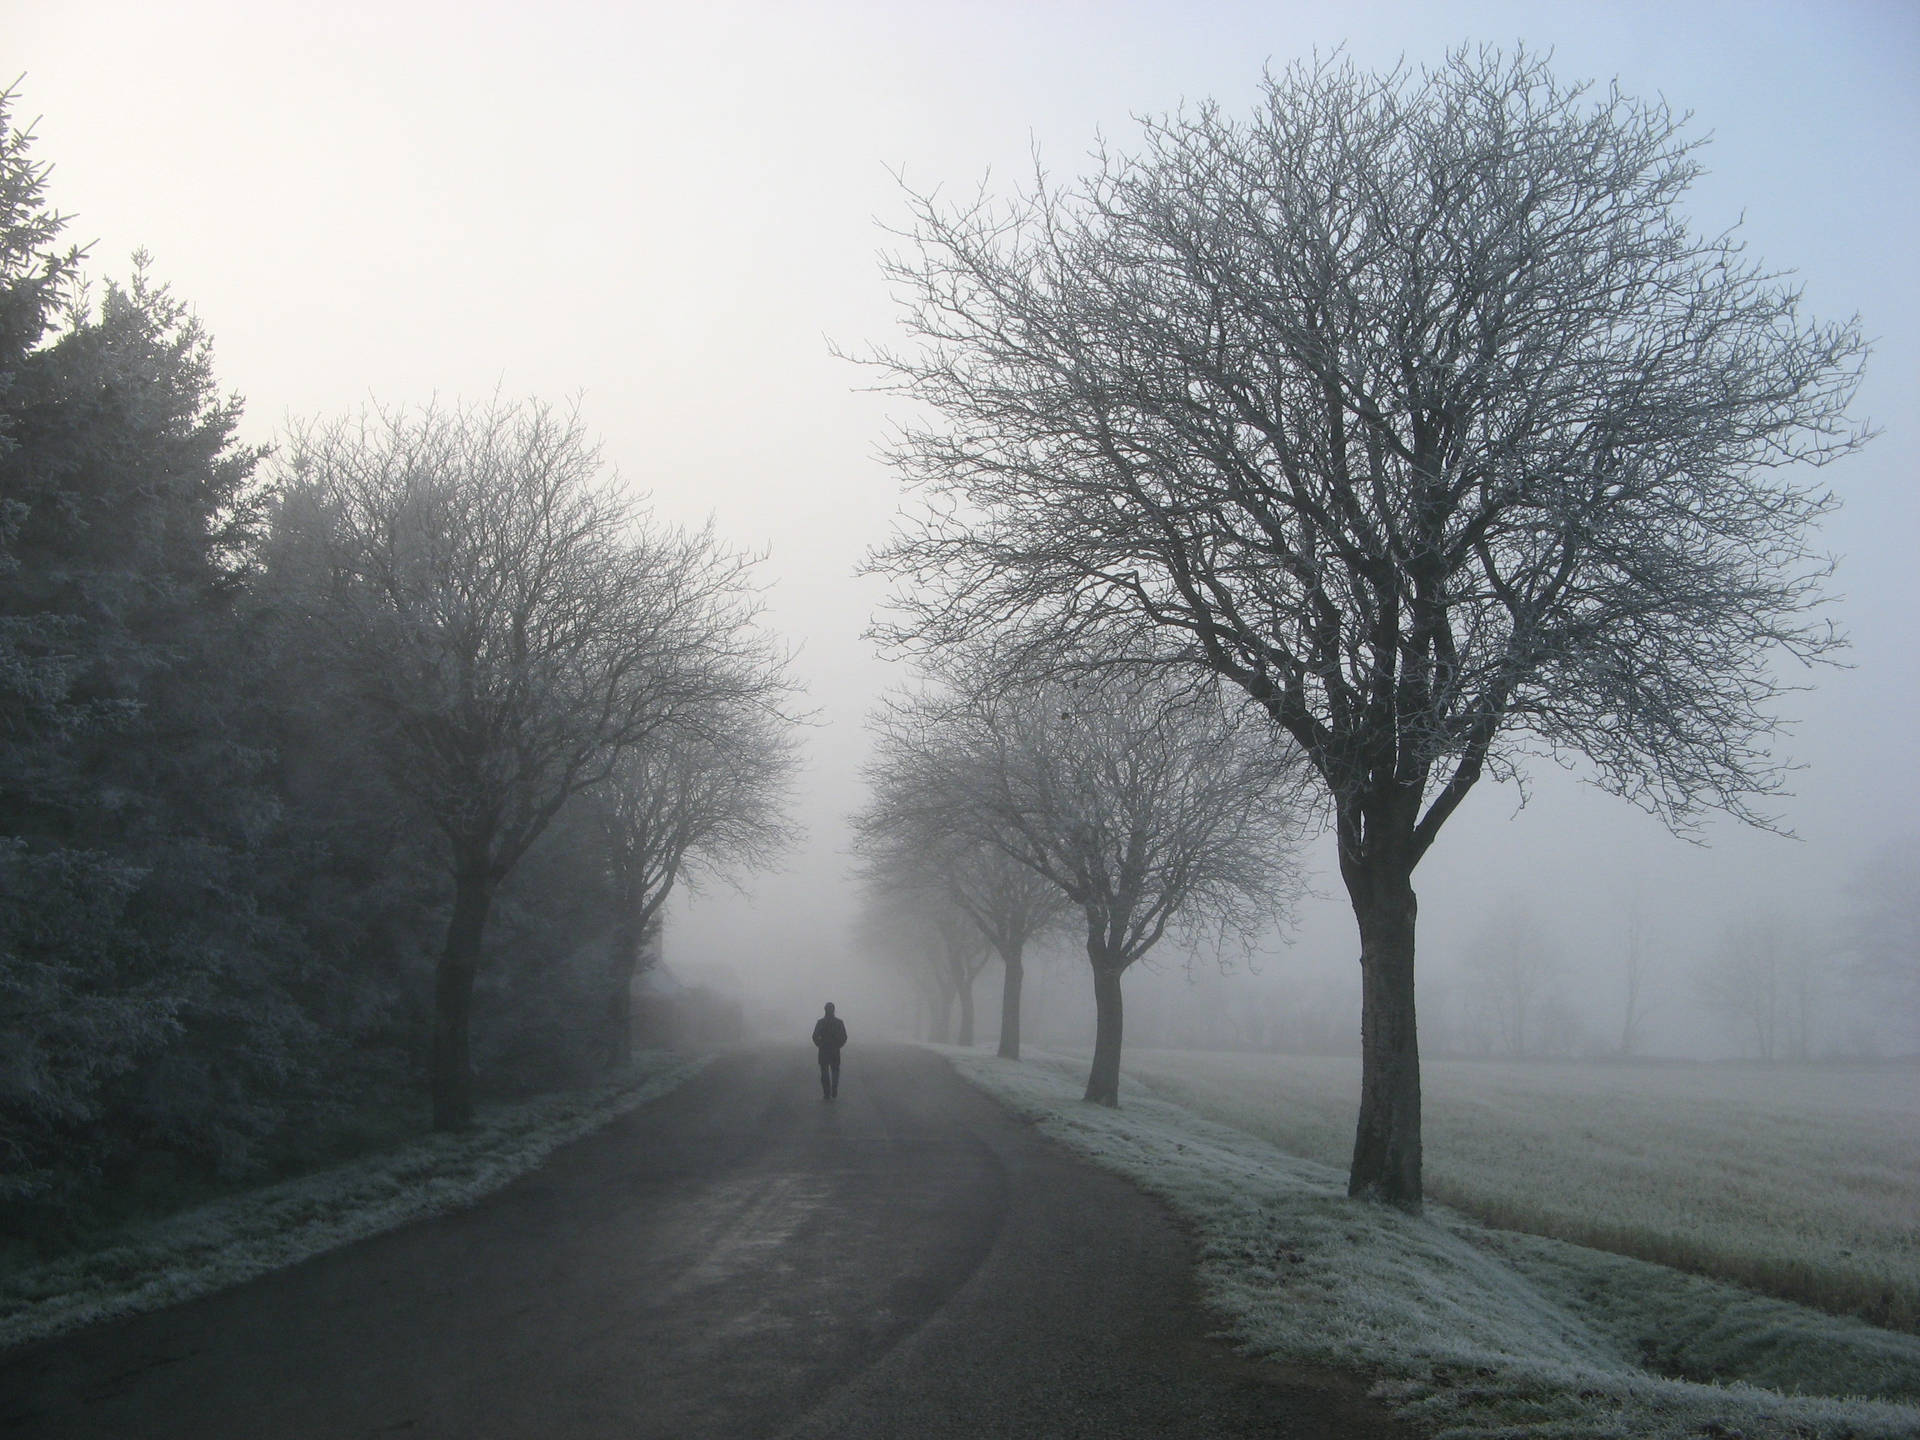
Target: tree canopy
1412, 405
518, 626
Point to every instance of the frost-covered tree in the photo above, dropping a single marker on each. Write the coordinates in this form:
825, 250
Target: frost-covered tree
1148, 806
517, 624
688, 805
57, 1043
954, 846
908, 921
1411, 405
149, 1000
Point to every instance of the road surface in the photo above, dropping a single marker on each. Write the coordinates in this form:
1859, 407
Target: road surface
737, 1259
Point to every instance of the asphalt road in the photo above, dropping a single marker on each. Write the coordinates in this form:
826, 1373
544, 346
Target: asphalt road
737, 1259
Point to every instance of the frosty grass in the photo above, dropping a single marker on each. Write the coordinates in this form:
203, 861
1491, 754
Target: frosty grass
235, 1239
1473, 1332
1801, 1181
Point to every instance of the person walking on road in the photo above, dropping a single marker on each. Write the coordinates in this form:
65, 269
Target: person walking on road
829, 1033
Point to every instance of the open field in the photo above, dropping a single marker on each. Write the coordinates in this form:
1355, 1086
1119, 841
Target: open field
1801, 1182
1474, 1332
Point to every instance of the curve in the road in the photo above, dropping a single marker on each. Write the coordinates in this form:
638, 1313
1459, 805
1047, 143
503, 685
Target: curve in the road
738, 1259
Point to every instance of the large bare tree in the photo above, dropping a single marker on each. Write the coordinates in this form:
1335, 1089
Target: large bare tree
517, 623
1410, 404
1147, 805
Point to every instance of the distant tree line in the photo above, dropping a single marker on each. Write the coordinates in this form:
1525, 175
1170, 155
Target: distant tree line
348, 771
1836, 985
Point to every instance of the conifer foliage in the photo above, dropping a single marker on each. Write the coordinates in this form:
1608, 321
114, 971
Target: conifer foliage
233, 850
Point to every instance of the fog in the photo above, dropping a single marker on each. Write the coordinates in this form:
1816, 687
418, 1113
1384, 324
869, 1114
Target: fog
673, 212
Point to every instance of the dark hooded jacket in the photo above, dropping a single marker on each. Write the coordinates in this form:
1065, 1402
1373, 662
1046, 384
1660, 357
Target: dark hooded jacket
829, 1034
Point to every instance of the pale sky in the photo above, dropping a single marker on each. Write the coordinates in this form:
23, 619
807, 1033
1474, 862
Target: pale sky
671, 211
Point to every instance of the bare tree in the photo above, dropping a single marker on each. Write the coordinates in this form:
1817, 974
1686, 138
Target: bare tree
1146, 806
518, 625
1012, 906
1510, 972
1762, 983
687, 805
952, 844
1411, 405
881, 931
1883, 928
1636, 977
911, 921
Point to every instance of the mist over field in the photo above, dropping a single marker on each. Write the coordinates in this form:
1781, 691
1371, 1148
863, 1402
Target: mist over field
541, 546
671, 214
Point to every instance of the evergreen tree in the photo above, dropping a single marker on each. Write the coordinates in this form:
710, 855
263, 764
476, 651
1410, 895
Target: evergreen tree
141, 1009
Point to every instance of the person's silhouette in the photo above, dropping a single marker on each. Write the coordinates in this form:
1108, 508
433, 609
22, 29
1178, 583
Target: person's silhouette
829, 1034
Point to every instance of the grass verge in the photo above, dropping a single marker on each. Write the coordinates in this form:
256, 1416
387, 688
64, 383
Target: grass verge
1473, 1332
231, 1240
1798, 1181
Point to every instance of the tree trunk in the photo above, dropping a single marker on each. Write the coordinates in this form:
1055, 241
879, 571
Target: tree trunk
1386, 1146
1103, 1082
965, 982
450, 1069
941, 1016
1010, 1005
623, 960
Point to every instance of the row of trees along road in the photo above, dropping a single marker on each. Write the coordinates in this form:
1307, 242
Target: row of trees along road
909, 918
279, 731
1128, 802
1410, 405
519, 632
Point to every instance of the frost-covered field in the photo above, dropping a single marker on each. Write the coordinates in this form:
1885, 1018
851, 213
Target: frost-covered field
1800, 1181
1474, 1331
237, 1238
